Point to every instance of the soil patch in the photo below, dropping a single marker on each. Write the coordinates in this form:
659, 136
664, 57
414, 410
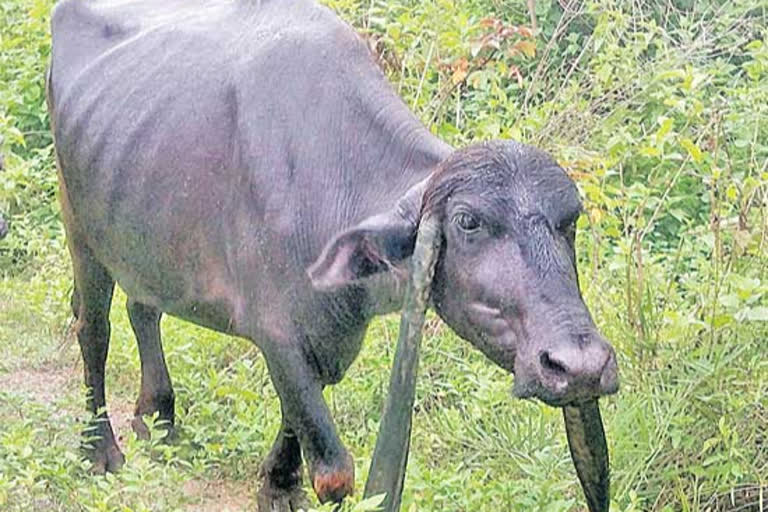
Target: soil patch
218, 495
45, 385
51, 384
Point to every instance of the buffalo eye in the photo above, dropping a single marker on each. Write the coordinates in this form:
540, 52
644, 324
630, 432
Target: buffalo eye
466, 222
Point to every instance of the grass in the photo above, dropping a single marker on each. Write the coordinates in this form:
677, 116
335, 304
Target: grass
686, 426
662, 127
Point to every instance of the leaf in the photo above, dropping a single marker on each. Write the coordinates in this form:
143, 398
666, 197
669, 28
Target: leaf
692, 149
475, 48
675, 73
251, 396
489, 23
490, 128
758, 314
649, 151
709, 444
446, 130
370, 504
730, 301
723, 427
526, 47
721, 320
525, 31
711, 460
460, 70
16, 136
665, 126
514, 71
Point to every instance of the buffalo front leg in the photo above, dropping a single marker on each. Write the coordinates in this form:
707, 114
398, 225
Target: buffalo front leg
331, 468
94, 287
156, 393
281, 475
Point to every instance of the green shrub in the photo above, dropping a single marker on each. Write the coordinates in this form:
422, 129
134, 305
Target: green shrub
655, 108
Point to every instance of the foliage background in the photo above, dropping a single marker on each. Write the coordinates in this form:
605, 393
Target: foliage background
656, 107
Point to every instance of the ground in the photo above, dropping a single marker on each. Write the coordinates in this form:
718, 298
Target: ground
692, 417
58, 383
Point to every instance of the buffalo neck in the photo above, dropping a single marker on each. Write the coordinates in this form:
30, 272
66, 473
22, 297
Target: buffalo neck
403, 153
398, 152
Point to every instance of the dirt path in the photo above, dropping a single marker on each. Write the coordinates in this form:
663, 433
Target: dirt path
52, 384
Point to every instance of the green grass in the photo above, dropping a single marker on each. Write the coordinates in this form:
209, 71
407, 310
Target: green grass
663, 128
687, 425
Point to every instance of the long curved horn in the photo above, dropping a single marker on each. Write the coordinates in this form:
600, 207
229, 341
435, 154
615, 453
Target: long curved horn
589, 451
390, 457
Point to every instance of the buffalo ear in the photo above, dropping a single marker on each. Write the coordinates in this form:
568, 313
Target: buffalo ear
374, 246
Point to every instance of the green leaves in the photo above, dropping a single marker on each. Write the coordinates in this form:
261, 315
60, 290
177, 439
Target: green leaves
657, 113
28, 184
692, 149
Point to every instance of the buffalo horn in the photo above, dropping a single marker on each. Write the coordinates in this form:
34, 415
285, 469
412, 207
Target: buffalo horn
390, 457
586, 440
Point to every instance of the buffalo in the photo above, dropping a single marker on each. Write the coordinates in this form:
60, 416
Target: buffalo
246, 166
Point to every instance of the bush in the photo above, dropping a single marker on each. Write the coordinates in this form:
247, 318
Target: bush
28, 186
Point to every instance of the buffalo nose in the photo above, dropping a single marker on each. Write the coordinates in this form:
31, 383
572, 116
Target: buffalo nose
579, 370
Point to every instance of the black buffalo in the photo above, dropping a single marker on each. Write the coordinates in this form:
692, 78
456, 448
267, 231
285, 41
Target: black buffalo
246, 166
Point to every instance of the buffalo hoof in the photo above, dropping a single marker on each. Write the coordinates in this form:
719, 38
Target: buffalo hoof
100, 448
275, 499
140, 428
143, 432
333, 484
103, 459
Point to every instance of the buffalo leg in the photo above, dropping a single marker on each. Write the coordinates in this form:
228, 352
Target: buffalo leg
281, 475
156, 394
94, 287
331, 468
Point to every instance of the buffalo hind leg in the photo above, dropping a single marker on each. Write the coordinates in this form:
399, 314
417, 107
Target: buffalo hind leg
281, 475
94, 287
156, 394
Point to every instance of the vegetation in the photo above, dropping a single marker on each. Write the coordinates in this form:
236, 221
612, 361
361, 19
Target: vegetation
655, 107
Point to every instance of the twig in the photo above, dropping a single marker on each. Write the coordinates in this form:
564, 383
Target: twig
532, 12
423, 75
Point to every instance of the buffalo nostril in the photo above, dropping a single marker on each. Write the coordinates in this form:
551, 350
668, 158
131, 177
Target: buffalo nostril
552, 365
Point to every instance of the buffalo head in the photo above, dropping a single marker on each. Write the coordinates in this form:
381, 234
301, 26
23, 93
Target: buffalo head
505, 277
